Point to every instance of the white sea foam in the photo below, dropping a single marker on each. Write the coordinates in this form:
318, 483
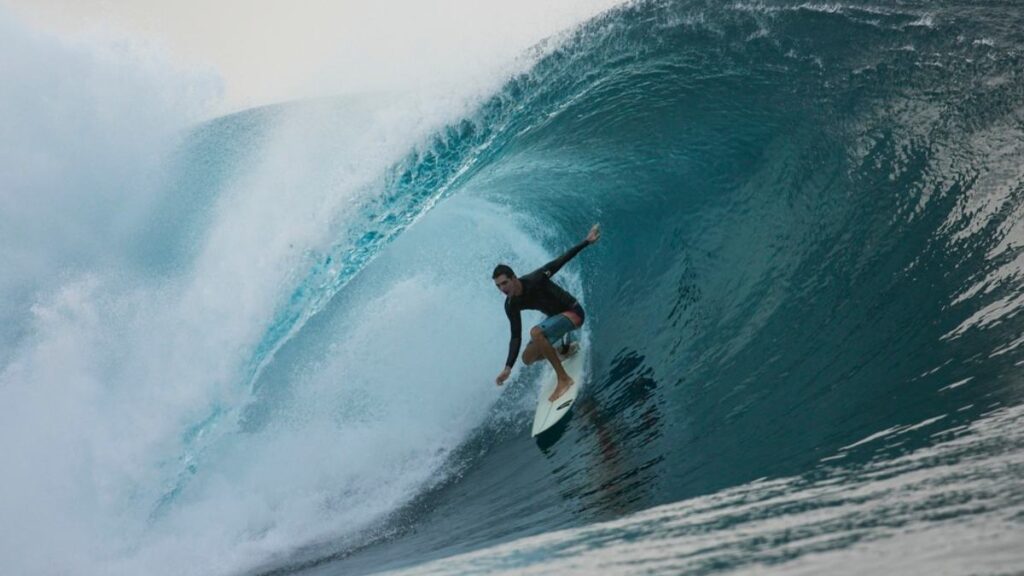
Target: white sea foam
107, 368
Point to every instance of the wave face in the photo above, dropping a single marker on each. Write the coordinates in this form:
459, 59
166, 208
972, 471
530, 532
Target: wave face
809, 288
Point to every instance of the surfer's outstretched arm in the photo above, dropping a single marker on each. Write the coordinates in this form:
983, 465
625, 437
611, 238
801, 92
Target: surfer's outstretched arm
555, 265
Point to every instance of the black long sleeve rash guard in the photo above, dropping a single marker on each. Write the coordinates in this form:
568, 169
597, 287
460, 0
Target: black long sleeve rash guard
539, 293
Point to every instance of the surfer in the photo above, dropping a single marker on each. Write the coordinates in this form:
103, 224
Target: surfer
536, 291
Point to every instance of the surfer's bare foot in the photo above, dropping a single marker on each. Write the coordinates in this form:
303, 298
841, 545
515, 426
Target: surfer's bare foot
560, 389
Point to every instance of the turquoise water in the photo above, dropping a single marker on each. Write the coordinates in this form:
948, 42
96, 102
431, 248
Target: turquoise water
808, 287
803, 326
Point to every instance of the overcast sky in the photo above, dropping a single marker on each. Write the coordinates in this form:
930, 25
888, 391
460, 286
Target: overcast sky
273, 50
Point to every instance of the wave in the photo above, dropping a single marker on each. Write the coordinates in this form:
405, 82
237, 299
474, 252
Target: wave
811, 261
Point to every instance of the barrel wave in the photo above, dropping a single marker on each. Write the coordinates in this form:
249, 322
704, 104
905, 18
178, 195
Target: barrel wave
803, 328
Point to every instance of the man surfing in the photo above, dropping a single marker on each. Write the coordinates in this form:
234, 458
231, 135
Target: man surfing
536, 291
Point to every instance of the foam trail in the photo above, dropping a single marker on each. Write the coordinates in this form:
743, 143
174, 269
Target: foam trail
88, 124
80, 163
366, 406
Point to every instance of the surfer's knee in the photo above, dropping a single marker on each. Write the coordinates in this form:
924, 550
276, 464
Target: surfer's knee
536, 333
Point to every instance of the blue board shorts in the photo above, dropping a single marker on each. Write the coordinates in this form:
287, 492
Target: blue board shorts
557, 326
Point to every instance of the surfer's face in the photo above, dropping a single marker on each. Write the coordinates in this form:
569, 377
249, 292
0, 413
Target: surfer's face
505, 284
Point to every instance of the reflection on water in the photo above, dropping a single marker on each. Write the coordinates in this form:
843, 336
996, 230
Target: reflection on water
955, 507
613, 424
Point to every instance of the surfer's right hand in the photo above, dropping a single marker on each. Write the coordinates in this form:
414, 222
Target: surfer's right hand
503, 376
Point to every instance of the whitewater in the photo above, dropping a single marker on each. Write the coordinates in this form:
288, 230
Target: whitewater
266, 342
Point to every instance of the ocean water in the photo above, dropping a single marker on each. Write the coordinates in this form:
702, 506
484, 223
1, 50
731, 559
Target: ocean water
267, 344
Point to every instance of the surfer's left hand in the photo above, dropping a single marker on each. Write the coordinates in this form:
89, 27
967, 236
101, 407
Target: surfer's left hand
595, 234
503, 376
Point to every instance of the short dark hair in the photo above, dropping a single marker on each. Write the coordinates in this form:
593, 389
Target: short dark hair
503, 269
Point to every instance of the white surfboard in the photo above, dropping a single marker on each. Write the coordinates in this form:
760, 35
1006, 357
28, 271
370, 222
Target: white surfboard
549, 413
